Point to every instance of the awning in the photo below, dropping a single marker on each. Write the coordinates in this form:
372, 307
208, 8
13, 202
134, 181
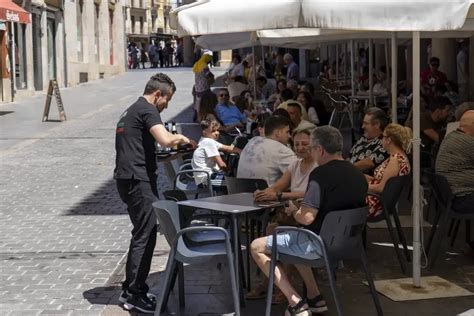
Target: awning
12, 12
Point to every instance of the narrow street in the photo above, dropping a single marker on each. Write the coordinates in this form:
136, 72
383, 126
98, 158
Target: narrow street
64, 229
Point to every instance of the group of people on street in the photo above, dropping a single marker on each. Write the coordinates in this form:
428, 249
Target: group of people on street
292, 148
155, 55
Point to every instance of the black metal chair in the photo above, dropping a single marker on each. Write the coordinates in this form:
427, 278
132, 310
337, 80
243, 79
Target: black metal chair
339, 239
180, 253
445, 213
389, 199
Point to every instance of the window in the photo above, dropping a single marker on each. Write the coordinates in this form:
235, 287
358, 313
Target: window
141, 25
133, 24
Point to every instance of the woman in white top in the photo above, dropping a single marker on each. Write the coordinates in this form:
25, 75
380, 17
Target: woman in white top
292, 184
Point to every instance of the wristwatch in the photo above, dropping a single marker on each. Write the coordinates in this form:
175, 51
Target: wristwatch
279, 196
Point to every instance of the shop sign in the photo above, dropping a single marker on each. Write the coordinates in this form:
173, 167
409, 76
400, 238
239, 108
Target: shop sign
12, 16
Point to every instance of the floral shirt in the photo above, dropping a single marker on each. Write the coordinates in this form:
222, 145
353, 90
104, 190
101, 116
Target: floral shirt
369, 149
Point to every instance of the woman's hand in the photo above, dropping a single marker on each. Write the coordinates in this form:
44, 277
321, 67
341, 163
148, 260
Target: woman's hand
268, 194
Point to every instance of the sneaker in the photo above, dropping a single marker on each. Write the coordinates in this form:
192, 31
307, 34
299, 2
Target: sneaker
123, 298
298, 309
141, 303
317, 304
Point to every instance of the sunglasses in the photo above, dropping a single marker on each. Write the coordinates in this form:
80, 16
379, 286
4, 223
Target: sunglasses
224, 95
435, 65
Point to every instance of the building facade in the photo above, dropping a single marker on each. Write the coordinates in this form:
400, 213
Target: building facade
70, 41
148, 21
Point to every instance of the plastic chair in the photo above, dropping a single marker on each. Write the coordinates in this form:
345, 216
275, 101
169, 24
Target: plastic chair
389, 199
339, 239
444, 196
180, 253
188, 217
184, 181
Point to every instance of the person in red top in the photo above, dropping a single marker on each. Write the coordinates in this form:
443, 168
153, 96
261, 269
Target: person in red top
432, 77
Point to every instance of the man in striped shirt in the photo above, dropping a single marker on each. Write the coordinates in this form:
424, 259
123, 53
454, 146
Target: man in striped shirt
455, 161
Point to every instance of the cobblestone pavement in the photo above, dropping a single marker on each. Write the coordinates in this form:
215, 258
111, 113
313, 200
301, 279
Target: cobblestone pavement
64, 229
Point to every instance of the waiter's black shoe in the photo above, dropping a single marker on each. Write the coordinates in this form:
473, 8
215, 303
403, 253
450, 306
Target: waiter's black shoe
140, 302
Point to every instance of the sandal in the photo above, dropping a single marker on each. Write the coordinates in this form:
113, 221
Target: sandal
298, 309
318, 304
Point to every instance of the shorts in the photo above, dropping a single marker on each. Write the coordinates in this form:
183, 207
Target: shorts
296, 244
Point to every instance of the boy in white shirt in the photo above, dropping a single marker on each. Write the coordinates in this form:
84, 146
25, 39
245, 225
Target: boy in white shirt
207, 156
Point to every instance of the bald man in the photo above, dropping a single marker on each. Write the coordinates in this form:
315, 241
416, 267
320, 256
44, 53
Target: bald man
455, 161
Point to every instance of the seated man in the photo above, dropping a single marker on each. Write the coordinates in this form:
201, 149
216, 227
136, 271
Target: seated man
432, 121
207, 156
267, 157
334, 185
455, 161
368, 153
228, 113
294, 110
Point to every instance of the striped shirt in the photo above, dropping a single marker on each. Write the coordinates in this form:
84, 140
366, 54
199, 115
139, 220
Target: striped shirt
455, 161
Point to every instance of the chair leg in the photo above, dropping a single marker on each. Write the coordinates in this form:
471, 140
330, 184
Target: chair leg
233, 282
370, 281
364, 237
182, 302
451, 225
438, 238
271, 279
164, 293
434, 227
241, 263
401, 236
332, 283
468, 231
455, 233
395, 241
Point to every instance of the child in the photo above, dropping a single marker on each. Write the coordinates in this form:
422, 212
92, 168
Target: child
207, 156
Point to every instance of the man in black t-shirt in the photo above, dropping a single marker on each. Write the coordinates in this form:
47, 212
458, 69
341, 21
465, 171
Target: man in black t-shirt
333, 186
137, 130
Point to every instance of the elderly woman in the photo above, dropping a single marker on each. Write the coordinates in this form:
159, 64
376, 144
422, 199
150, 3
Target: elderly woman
396, 141
290, 187
203, 78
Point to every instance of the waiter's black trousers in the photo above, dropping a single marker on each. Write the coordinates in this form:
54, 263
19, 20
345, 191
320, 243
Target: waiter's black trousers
139, 196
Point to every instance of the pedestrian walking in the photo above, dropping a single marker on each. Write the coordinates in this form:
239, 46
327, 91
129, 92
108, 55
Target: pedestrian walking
135, 173
151, 54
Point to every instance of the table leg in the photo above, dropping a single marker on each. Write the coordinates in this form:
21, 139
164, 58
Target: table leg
247, 245
237, 253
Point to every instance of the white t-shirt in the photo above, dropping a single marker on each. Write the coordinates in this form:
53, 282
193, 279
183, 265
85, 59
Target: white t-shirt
299, 180
264, 158
207, 148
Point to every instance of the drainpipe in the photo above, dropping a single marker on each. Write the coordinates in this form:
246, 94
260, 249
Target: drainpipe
12, 60
64, 45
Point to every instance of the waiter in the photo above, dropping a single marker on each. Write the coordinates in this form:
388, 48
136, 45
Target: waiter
135, 172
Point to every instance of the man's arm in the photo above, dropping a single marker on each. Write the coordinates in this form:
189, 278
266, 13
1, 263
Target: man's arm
364, 164
166, 139
305, 215
432, 134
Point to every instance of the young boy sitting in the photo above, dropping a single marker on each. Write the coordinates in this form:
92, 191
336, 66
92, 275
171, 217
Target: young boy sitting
207, 156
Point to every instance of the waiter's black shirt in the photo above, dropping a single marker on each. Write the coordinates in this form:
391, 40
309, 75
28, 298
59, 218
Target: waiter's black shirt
134, 145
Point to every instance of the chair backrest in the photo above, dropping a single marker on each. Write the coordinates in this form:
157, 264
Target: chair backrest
342, 233
243, 185
392, 191
168, 217
175, 195
441, 188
